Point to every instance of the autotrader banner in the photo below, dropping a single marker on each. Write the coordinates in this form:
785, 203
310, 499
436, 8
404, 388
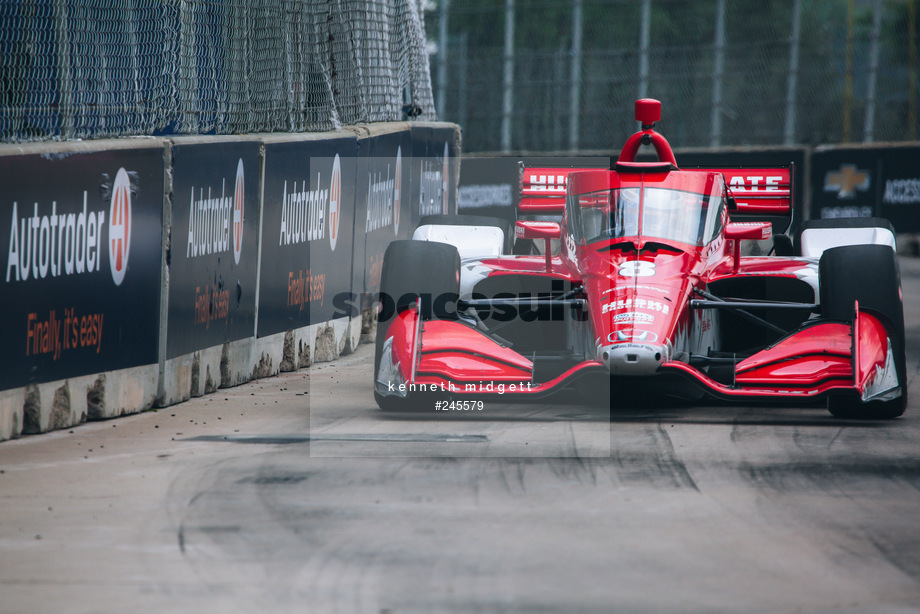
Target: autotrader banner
214, 244
867, 181
81, 236
384, 211
435, 167
308, 225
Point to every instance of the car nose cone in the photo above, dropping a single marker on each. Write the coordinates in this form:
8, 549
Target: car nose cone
632, 358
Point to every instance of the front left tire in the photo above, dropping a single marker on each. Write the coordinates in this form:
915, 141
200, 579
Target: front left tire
412, 269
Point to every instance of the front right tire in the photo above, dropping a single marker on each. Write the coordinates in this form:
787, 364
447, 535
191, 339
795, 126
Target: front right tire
869, 274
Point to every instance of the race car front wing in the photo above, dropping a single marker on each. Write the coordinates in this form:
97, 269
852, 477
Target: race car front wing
453, 357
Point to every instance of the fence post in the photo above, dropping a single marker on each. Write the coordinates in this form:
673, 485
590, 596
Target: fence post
462, 68
869, 130
442, 58
912, 69
508, 98
65, 77
792, 78
717, 74
848, 77
575, 89
645, 28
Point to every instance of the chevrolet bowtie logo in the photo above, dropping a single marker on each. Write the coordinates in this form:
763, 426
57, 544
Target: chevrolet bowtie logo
846, 181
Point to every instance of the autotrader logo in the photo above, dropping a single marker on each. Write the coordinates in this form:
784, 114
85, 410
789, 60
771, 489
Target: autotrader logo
238, 192
120, 226
335, 201
215, 221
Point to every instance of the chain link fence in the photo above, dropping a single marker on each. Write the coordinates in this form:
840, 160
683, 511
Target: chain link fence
564, 75
107, 68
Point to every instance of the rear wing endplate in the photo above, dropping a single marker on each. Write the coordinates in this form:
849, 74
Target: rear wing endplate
762, 194
760, 191
542, 189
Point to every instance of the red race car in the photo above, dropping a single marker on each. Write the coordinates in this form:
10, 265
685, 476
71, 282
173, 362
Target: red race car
647, 292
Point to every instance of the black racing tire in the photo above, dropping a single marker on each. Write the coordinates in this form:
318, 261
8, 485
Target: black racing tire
844, 222
475, 220
413, 269
869, 274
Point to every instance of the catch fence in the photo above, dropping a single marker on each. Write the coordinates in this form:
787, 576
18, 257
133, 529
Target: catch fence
561, 75
74, 69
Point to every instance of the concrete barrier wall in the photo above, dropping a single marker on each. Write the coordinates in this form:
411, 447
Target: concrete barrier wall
142, 272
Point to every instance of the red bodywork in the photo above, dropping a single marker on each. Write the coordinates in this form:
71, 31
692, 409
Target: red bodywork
637, 290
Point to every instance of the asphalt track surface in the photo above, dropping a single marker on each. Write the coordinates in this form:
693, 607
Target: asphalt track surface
295, 494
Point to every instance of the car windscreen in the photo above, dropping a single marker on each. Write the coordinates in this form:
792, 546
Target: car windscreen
650, 212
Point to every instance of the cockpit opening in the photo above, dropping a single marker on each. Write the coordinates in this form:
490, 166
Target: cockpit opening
648, 212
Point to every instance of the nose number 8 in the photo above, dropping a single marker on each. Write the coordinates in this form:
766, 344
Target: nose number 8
637, 268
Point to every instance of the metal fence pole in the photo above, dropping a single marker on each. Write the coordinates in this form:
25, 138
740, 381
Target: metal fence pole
869, 131
717, 73
508, 98
575, 90
462, 68
912, 69
561, 69
134, 80
645, 30
848, 77
65, 77
442, 58
792, 78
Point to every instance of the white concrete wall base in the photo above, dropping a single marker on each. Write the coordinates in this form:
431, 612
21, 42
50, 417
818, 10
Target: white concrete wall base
353, 335
55, 405
369, 326
39, 408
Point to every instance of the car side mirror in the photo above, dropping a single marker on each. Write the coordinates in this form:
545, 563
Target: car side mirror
540, 230
537, 230
752, 231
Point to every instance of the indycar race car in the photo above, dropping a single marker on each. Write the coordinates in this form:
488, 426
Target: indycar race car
647, 291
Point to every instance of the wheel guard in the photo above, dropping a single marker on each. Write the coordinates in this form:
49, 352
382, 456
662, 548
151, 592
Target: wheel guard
389, 375
875, 373
446, 355
812, 361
